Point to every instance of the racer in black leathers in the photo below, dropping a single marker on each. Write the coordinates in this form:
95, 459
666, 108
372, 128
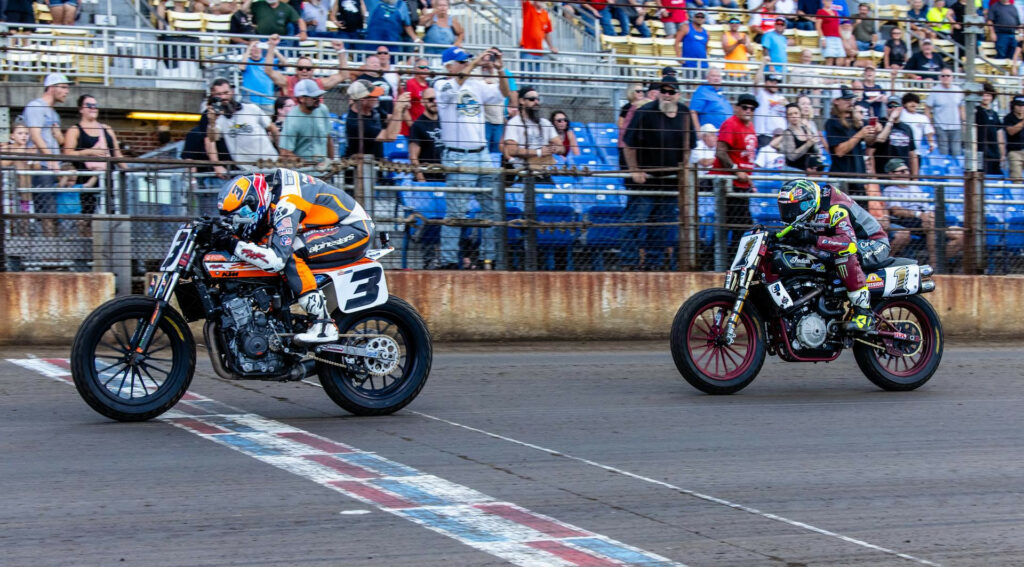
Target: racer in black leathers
850, 234
289, 222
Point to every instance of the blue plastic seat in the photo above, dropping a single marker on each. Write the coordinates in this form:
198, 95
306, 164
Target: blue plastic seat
399, 149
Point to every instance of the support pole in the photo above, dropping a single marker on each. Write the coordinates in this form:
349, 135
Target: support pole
687, 220
530, 212
973, 28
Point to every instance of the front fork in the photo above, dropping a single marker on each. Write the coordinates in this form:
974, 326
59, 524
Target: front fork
741, 285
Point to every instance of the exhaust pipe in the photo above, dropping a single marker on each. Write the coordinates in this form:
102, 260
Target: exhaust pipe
927, 271
927, 286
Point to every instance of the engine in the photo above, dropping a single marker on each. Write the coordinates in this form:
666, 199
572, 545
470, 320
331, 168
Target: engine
814, 308
250, 333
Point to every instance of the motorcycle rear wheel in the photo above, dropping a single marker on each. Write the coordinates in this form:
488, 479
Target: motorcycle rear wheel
117, 382
914, 315
703, 360
385, 390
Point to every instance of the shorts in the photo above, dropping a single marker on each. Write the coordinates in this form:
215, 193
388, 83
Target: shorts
72, 3
833, 47
44, 203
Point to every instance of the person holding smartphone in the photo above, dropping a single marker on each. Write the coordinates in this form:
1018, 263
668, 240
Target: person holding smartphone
798, 142
895, 141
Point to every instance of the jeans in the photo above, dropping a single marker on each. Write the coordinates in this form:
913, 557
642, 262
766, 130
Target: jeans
458, 204
1005, 45
528, 67
867, 46
494, 132
620, 14
950, 142
653, 239
805, 26
692, 4
589, 21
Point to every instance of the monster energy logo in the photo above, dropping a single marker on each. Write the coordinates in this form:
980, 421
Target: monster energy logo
841, 269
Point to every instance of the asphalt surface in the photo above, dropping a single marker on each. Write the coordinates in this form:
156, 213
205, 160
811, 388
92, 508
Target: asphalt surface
810, 465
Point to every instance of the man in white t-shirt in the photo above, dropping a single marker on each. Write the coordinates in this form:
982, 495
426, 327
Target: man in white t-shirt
460, 106
771, 109
529, 137
917, 213
924, 132
245, 129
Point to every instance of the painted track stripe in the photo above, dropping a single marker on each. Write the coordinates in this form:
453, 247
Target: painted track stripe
525, 517
516, 535
576, 556
609, 549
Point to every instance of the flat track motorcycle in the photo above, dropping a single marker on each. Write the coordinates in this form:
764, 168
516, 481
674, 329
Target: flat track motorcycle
785, 301
133, 358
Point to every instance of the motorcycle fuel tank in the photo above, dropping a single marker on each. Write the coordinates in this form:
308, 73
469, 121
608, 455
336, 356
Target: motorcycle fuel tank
793, 262
221, 266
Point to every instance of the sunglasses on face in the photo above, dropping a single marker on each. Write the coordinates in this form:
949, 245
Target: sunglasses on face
668, 91
90, 105
423, 66
902, 170
747, 107
383, 53
431, 99
303, 68
531, 98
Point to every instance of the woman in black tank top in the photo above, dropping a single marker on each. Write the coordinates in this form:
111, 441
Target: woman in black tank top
90, 138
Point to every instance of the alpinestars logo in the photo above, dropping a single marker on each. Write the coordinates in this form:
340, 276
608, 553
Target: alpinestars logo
253, 255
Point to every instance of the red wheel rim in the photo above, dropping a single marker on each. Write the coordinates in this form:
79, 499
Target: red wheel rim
908, 318
719, 361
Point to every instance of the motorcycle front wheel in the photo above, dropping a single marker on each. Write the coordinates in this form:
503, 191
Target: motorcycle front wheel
388, 383
699, 349
118, 381
917, 361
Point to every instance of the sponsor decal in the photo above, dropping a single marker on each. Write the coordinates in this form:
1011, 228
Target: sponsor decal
253, 255
313, 249
284, 210
874, 278
286, 241
901, 274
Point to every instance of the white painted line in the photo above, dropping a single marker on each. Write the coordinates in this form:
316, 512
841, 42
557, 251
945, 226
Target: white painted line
695, 494
354, 512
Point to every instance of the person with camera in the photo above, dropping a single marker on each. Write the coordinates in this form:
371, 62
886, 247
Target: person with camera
895, 141
460, 104
245, 128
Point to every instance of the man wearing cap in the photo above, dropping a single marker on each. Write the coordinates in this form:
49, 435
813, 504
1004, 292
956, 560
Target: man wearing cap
1014, 123
775, 44
925, 63
659, 137
46, 136
945, 108
460, 105
894, 141
848, 138
736, 45
307, 128
692, 42
709, 105
771, 106
703, 155
366, 127
735, 155
912, 208
991, 133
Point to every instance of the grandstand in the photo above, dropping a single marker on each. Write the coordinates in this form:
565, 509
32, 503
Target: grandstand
173, 59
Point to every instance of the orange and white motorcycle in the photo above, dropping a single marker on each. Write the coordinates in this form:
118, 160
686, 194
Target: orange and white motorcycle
133, 358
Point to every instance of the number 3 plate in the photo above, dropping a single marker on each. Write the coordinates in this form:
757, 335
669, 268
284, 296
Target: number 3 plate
360, 287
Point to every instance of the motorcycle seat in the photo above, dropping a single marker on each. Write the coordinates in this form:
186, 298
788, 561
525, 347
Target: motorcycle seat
887, 263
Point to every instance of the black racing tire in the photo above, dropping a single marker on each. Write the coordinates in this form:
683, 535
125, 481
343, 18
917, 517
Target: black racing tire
357, 392
106, 334
692, 330
912, 370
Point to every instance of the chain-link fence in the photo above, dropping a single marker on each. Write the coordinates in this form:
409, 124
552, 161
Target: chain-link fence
558, 218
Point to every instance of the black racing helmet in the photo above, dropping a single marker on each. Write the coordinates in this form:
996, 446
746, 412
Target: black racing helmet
799, 200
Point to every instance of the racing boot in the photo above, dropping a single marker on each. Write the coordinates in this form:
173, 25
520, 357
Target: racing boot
323, 330
863, 319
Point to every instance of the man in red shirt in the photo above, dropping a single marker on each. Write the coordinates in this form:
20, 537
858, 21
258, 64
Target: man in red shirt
536, 30
415, 87
737, 148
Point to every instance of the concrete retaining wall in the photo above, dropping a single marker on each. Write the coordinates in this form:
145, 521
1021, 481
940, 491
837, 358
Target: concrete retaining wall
485, 306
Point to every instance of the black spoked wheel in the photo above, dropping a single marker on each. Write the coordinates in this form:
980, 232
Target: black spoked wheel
385, 383
897, 364
115, 379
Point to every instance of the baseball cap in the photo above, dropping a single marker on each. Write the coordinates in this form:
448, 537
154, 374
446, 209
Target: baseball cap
666, 71
894, 164
699, 13
734, 20
362, 88
670, 82
846, 93
454, 53
308, 87
893, 103
1019, 99
56, 79
815, 161
926, 41
708, 128
747, 98
773, 77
